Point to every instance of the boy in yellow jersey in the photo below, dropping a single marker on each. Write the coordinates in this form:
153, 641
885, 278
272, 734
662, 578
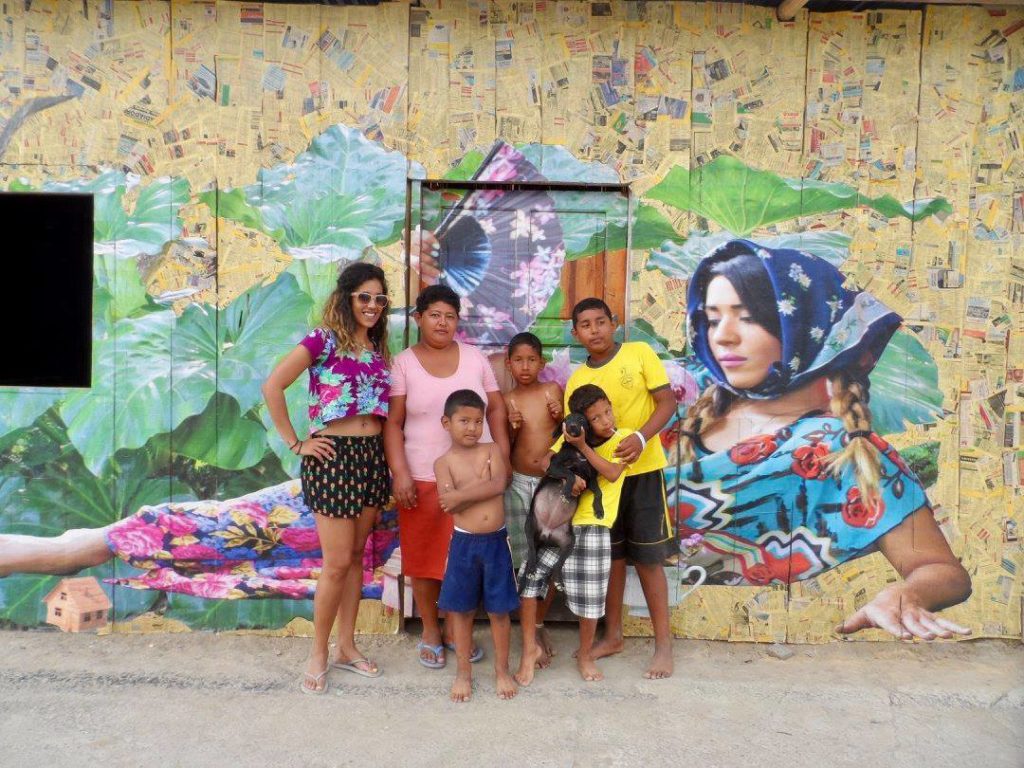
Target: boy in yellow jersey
637, 385
586, 571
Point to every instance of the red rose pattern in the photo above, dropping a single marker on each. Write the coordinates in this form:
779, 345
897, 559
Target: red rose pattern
753, 449
860, 513
808, 460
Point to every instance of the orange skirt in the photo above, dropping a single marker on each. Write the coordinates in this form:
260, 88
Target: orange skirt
424, 532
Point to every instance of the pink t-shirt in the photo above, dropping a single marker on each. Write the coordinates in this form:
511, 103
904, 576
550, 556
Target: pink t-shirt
425, 438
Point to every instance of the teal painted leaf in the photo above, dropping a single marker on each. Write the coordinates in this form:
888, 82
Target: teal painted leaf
297, 399
152, 222
21, 598
650, 230
904, 386
121, 286
233, 206
259, 328
741, 199
341, 195
270, 613
316, 279
136, 391
221, 436
680, 260
18, 409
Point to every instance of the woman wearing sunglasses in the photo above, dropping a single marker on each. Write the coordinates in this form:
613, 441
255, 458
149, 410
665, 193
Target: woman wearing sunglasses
344, 473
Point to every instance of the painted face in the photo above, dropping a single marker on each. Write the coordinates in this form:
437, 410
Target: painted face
744, 349
465, 426
368, 303
438, 324
601, 419
524, 364
595, 331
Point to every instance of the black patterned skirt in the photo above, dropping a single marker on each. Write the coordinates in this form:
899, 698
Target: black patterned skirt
355, 478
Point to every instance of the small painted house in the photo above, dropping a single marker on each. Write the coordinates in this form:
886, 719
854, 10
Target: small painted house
77, 605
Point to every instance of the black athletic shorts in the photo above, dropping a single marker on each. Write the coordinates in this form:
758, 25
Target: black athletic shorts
641, 532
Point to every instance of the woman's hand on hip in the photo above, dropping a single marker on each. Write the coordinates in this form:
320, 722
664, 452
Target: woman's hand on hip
318, 447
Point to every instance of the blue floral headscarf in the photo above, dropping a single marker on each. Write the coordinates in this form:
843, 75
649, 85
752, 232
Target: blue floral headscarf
825, 327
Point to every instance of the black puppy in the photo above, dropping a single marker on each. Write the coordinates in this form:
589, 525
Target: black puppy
549, 521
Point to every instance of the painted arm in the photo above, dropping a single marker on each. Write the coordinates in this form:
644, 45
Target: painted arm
933, 579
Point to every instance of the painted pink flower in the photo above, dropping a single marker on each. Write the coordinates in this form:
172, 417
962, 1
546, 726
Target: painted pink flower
559, 369
177, 524
296, 590
196, 552
684, 386
135, 537
301, 539
292, 572
212, 585
163, 579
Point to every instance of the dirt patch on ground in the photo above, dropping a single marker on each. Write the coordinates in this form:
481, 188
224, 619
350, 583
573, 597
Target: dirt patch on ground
206, 699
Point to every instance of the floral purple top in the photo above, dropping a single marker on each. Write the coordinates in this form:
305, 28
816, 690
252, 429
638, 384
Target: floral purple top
345, 384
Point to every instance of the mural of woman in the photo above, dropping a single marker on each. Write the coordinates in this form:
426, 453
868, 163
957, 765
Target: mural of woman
423, 377
344, 473
784, 476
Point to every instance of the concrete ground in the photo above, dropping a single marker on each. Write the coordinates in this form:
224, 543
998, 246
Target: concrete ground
226, 700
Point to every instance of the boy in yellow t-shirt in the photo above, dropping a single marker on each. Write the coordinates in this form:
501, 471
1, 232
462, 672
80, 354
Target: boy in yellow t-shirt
586, 570
637, 385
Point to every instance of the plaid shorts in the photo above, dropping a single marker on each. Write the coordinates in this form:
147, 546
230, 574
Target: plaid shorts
518, 496
584, 575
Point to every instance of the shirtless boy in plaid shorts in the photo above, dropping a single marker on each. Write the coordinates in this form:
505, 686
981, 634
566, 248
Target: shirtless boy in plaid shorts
585, 572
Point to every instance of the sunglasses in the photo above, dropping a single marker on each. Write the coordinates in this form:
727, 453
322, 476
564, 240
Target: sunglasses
364, 298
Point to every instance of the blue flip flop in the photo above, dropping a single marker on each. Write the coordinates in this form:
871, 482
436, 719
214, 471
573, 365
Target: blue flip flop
474, 657
439, 661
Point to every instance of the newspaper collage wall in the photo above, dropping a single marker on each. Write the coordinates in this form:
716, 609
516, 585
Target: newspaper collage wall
239, 152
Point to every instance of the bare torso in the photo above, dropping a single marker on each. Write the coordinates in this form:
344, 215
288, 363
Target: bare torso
534, 438
468, 467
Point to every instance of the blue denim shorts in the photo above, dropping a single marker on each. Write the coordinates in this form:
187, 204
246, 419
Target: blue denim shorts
479, 569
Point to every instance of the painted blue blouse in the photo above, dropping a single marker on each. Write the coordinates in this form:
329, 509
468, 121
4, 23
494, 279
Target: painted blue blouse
770, 512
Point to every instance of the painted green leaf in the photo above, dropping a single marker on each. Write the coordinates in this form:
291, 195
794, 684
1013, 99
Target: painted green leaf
741, 199
221, 436
297, 398
240, 344
339, 196
650, 230
466, 167
136, 391
18, 409
259, 328
680, 260
233, 206
549, 327
119, 279
270, 613
904, 386
152, 222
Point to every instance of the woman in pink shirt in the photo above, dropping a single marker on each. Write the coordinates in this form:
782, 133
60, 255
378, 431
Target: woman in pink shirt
422, 377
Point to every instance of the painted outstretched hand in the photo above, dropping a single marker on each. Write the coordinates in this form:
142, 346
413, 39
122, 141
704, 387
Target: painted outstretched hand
896, 611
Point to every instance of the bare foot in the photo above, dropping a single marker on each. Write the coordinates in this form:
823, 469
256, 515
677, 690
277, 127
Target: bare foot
661, 666
544, 641
506, 685
609, 645
529, 662
462, 688
588, 669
